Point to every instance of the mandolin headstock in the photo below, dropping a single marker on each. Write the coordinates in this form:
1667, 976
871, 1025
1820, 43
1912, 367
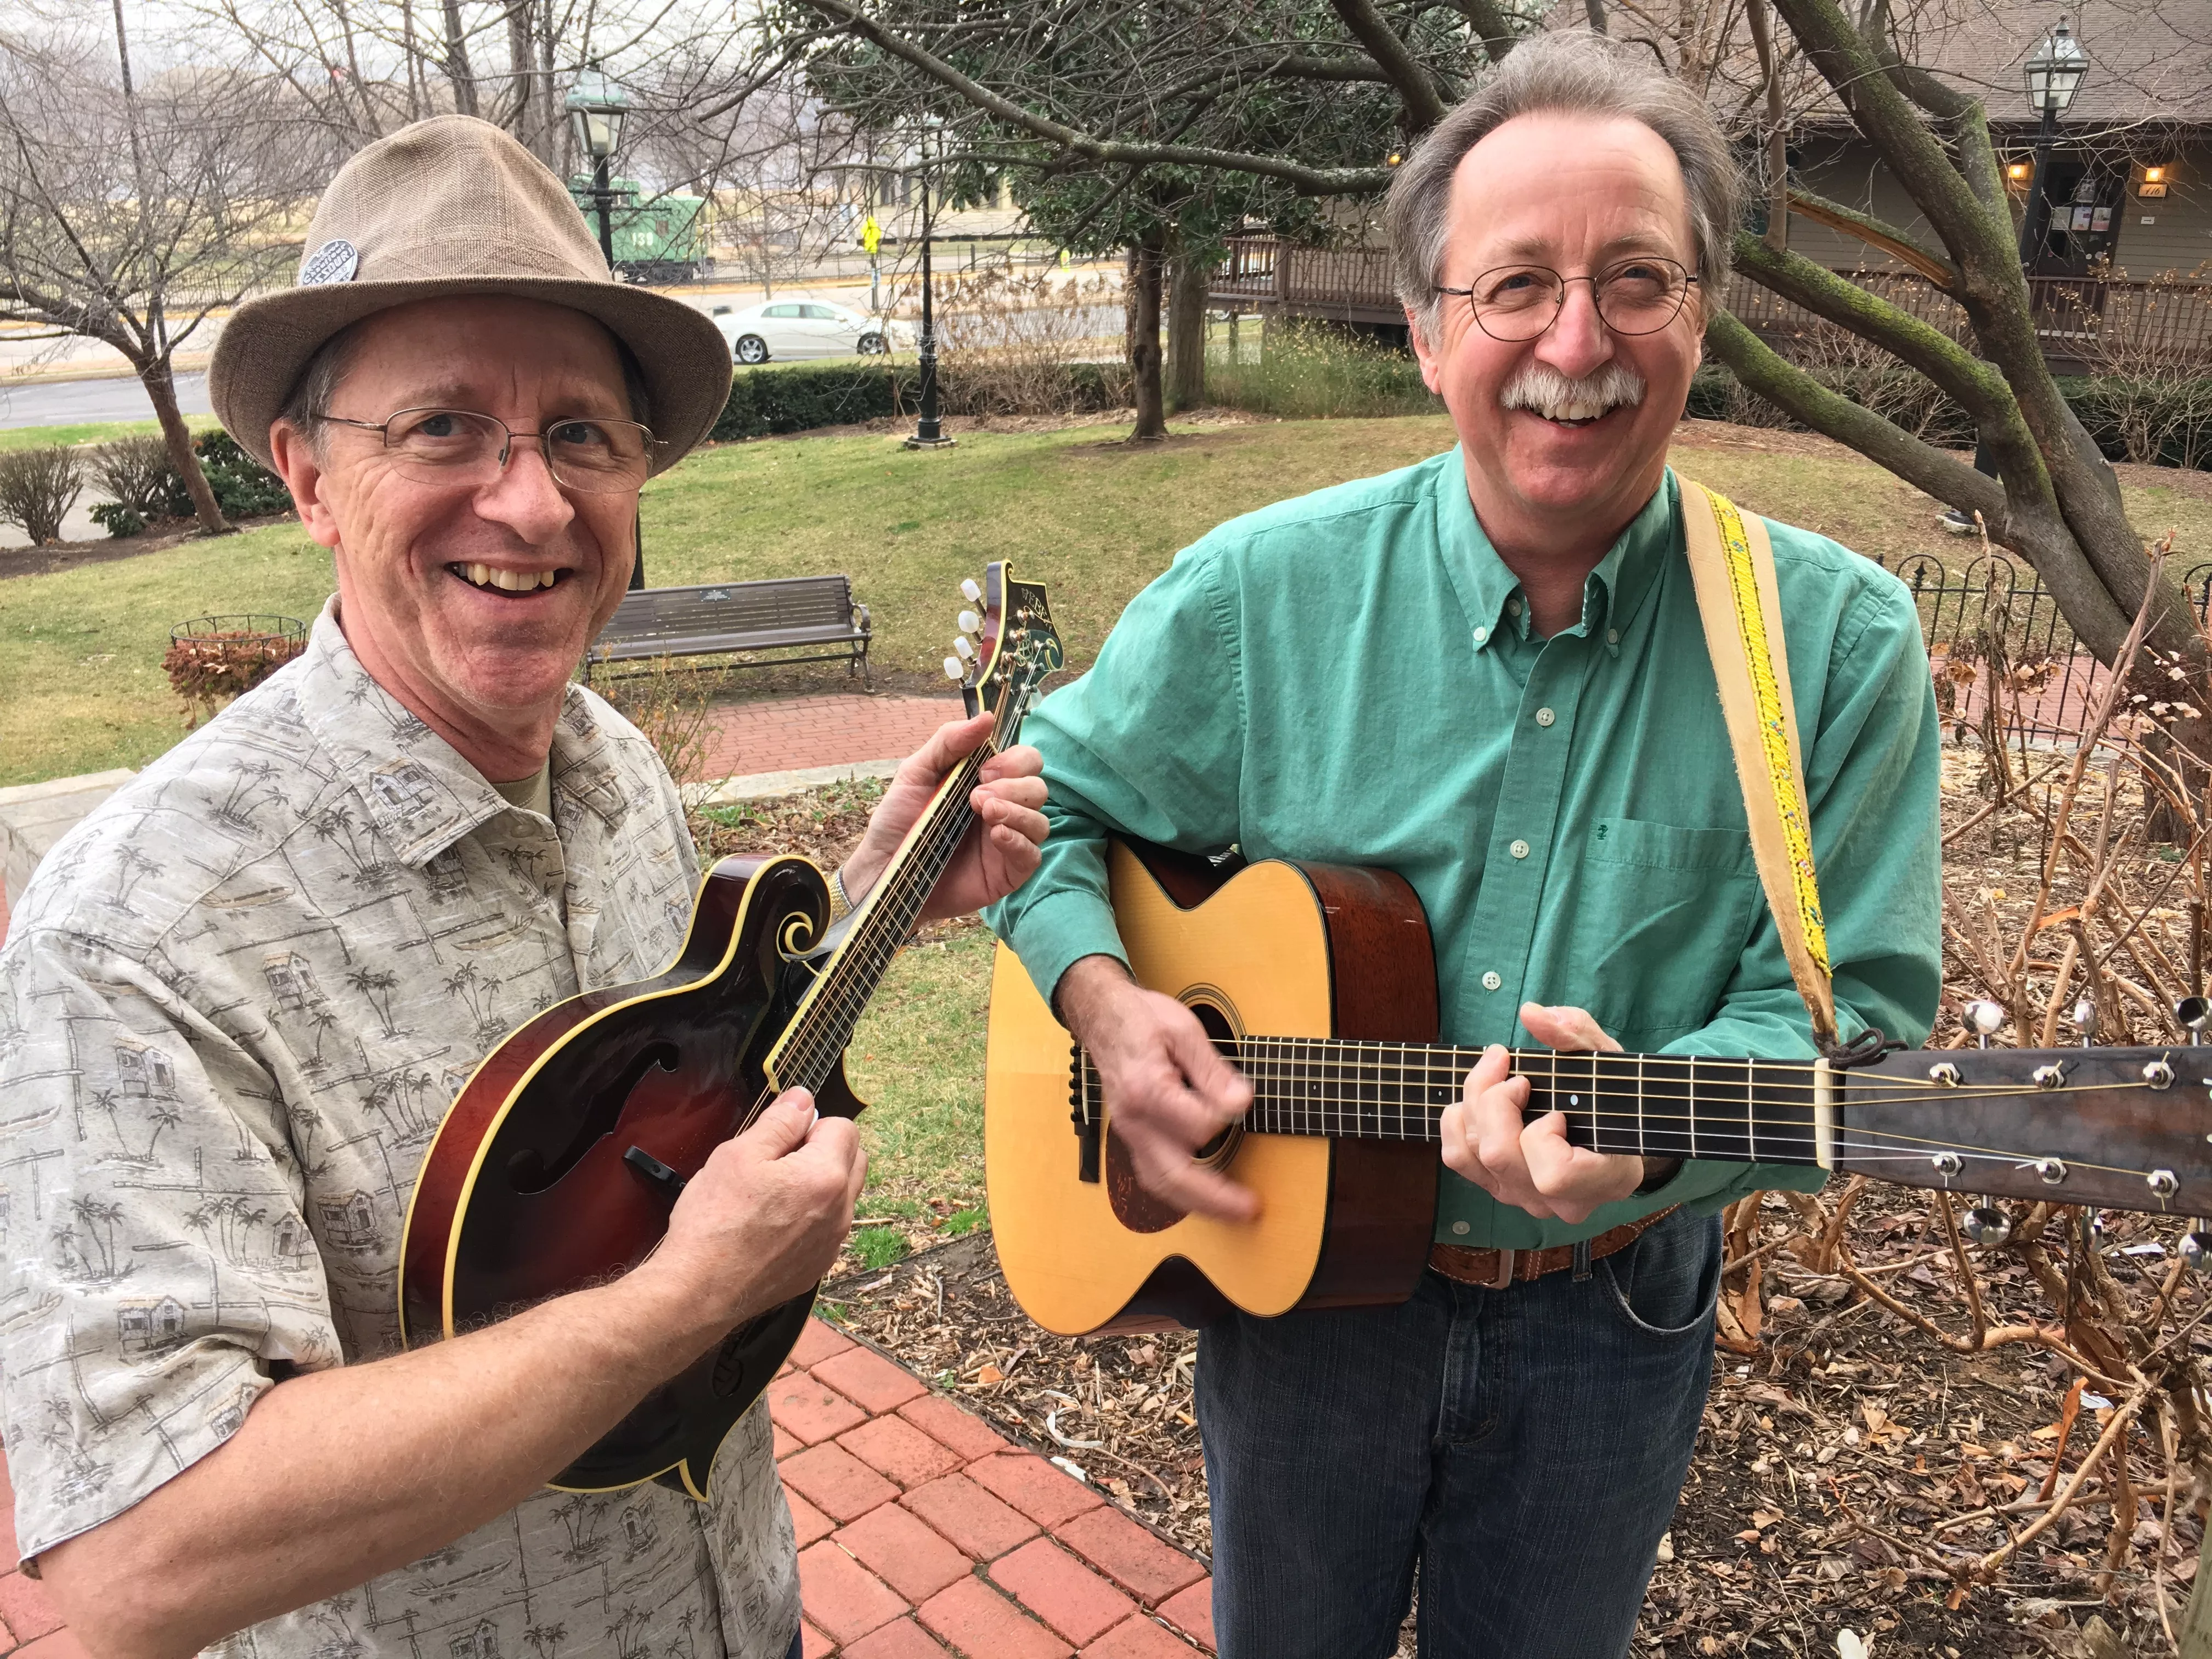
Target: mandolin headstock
1005, 649
2119, 1128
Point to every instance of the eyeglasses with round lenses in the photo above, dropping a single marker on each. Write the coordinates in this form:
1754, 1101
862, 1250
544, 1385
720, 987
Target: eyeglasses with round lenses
1516, 303
458, 447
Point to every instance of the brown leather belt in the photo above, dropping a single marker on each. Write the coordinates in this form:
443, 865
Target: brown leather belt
1495, 1269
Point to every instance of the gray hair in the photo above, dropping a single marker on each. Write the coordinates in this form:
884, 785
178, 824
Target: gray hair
309, 400
1571, 72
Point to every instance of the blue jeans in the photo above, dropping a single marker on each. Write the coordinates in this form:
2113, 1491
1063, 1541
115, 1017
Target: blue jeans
1523, 1449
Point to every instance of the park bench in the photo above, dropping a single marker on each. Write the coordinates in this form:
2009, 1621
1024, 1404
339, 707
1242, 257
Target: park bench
791, 618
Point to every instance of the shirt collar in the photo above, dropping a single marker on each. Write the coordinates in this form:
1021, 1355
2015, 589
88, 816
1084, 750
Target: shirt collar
420, 793
1615, 590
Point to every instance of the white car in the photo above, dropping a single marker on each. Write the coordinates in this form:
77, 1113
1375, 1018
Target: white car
805, 328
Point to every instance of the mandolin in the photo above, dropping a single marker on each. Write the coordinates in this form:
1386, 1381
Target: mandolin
557, 1164
1319, 982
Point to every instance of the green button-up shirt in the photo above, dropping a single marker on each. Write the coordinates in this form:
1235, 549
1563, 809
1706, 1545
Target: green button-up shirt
1350, 677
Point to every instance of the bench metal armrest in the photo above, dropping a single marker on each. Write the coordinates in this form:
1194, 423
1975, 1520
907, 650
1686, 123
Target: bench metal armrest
860, 618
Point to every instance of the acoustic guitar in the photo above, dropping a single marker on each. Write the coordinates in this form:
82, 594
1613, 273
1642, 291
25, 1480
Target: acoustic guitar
1318, 982
557, 1164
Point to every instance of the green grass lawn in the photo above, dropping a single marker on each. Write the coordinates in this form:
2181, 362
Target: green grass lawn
92, 431
82, 688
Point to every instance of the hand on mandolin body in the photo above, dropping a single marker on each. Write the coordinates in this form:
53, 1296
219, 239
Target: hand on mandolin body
998, 853
1168, 1090
763, 1219
1531, 1166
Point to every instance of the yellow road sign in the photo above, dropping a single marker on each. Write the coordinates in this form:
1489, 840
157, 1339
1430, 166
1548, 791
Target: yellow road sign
871, 235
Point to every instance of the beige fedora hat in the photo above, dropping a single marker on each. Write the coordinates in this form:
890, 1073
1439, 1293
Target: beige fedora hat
454, 205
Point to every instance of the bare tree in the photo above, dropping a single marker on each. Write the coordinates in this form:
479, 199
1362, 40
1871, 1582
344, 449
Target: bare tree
130, 213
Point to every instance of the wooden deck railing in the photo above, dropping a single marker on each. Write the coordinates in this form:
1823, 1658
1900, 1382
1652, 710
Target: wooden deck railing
2112, 324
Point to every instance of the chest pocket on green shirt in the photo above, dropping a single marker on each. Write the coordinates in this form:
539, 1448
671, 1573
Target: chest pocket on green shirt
1661, 918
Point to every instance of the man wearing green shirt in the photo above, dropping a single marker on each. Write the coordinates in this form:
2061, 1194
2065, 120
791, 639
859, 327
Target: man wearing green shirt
1486, 673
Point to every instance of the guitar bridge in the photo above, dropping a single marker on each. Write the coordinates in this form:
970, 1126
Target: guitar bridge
1079, 1113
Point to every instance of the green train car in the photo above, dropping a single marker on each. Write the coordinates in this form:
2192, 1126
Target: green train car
657, 239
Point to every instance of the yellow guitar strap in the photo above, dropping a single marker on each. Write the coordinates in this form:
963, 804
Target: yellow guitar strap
1732, 563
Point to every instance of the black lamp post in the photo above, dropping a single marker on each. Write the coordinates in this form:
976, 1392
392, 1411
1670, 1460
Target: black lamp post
929, 429
2054, 74
596, 107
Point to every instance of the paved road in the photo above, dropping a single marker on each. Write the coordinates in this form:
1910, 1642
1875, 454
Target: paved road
67, 402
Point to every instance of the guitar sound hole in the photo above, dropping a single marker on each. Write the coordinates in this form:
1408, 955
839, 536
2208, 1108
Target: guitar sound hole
528, 1172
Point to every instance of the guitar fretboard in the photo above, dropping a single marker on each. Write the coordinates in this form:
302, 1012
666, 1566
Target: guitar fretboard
1735, 1111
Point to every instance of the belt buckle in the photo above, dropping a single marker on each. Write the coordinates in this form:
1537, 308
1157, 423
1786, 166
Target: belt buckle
1505, 1271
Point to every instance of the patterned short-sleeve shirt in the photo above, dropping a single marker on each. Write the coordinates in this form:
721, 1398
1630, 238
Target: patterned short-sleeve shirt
234, 1003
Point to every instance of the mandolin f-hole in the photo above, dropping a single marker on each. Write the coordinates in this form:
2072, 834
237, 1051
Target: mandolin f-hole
528, 1172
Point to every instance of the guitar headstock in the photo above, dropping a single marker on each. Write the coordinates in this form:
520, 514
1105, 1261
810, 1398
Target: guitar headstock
2119, 1129
1005, 649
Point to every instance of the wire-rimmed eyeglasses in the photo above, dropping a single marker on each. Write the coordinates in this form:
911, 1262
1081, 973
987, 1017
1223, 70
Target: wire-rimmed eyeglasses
1516, 303
590, 453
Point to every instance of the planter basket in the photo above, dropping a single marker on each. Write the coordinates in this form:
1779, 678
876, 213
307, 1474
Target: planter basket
212, 659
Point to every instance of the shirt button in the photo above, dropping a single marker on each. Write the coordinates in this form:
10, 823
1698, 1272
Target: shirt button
1519, 849
1459, 1226
1513, 607
1490, 982
1612, 637
1545, 717
1480, 634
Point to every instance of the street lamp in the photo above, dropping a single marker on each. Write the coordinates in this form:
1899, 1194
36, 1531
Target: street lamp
2054, 74
929, 429
596, 107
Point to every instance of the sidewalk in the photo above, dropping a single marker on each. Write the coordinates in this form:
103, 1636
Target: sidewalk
921, 1532
781, 734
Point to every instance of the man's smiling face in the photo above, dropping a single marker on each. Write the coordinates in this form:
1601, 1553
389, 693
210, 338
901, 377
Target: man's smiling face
471, 604
1571, 427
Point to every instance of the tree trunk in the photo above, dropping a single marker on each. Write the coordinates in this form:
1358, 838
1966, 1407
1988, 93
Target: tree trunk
1142, 298
457, 61
532, 101
1189, 278
154, 374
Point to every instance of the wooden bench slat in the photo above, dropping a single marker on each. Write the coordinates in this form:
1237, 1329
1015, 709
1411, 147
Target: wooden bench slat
777, 614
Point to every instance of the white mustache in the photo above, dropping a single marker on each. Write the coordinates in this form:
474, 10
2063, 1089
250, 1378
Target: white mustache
1543, 390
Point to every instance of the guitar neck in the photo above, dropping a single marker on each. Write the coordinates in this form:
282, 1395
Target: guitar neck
1735, 1111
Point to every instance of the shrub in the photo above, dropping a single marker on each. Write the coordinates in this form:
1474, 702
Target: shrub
672, 705
1303, 370
137, 473
244, 488
37, 487
765, 402
212, 659
117, 519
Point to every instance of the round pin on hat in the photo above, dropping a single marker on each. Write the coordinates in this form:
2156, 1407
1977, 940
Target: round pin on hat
334, 261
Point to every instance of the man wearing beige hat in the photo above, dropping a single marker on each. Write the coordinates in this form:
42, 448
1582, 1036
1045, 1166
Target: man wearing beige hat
234, 1000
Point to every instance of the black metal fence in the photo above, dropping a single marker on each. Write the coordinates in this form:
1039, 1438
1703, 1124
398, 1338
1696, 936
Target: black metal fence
1991, 627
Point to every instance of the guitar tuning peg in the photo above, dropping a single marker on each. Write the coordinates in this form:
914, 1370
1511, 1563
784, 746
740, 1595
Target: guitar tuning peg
1988, 1225
2196, 1246
970, 623
2190, 1013
962, 650
1983, 1019
954, 669
2085, 1020
971, 591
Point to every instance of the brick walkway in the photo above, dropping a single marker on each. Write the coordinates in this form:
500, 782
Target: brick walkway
923, 1533
782, 734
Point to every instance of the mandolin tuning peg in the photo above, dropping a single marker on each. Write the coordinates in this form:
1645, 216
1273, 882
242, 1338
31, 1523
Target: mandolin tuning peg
970, 623
962, 650
2190, 1013
2085, 1020
1983, 1019
971, 591
2093, 1229
954, 669
1988, 1225
2196, 1246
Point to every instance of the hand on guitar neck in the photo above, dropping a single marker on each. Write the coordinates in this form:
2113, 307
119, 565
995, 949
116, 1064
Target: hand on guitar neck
1530, 1165
1001, 851
1168, 1090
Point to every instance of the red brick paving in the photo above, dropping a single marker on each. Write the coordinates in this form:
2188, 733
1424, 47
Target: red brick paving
783, 734
941, 1569
810, 1411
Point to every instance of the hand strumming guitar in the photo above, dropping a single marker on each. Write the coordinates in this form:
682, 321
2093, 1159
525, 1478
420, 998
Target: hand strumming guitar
1531, 1166
1000, 852
1168, 1089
